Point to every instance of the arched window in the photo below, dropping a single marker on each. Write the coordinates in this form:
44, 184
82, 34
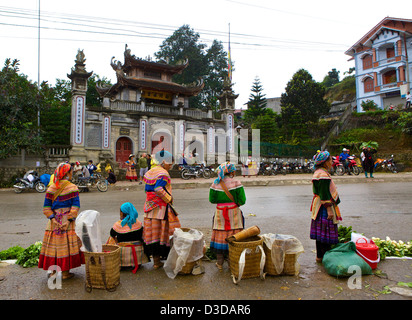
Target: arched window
367, 62
368, 85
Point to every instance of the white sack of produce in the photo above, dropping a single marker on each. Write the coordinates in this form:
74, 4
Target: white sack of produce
187, 247
280, 245
88, 230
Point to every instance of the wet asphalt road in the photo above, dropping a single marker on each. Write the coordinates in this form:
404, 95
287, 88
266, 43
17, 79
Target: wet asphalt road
375, 209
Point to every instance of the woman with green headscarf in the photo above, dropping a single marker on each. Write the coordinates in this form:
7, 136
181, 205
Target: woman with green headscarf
128, 234
228, 195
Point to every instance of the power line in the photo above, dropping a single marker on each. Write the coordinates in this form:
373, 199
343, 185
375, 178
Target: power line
292, 44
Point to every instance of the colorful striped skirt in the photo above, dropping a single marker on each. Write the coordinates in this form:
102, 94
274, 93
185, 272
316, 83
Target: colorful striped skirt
156, 234
61, 248
322, 229
218, 243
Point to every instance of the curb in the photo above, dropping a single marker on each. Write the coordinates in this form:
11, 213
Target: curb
262, 181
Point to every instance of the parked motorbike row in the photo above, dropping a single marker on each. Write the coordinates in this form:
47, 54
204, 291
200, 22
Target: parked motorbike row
196, 171
386, 165
276, 167
32, 180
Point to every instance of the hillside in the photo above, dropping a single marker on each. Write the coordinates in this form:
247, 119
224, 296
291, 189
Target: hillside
382, 127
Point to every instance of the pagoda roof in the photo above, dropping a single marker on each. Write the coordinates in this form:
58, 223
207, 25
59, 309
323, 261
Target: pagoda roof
144, 83
132, 62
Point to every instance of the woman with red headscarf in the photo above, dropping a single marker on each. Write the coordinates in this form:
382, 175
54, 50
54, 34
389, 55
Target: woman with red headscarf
61, 245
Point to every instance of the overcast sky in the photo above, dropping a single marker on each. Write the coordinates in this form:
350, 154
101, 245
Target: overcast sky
270, 40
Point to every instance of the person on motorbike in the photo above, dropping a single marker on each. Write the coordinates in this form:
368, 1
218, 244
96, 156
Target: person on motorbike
91, 167
343, 157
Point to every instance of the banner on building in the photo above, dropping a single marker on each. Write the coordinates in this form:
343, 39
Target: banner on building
79, 121
182, 137
106, 132
143, 134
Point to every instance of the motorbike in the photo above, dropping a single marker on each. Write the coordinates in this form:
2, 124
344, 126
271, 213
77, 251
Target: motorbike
264, 169
278, 168
337, 166
196, 171
387, 164
308, 167
352, 167
30, 180
95, 180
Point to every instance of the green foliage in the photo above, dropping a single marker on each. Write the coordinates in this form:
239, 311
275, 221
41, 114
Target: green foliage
405, 122
303, 102
20, 102
369, 105
256, 104
345, 90
268, 126
331, 79
209, 64
11, 253
30, 256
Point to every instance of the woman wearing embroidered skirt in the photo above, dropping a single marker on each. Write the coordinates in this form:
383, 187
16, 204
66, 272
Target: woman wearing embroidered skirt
324, 208
131, 173
160, 220
228, 195
61, 245
127, 233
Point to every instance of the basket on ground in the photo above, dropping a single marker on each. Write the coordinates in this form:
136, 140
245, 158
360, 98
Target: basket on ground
282, 252
246, 258
103, 268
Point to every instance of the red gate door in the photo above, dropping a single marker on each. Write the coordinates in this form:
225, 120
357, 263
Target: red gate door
123, 150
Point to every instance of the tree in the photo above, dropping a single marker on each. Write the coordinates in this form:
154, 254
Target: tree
303, 101
204, 63
20, 102
331, 79
256, 106
268, 126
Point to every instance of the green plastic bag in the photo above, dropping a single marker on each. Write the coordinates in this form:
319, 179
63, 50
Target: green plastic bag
338, 260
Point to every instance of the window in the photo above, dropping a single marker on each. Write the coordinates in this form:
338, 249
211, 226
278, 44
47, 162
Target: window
368, 85
367, 62
389, 77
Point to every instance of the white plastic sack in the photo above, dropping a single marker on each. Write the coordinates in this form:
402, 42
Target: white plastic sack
187, 247
357, 236
88, 230
280, 245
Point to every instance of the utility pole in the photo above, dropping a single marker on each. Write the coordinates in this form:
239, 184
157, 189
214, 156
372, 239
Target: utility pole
38, 72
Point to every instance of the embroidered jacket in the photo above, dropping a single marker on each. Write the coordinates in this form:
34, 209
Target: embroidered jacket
158, 192
324, 193
228, 215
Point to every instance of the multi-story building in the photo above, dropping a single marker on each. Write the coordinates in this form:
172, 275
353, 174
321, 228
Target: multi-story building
383, 63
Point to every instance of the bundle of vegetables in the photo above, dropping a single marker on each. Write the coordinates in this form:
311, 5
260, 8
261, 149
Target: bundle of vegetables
30, 256
394, 248
11, 253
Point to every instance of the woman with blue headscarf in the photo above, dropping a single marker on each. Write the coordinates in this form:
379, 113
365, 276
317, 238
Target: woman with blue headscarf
128, 234
325, 211
228, 195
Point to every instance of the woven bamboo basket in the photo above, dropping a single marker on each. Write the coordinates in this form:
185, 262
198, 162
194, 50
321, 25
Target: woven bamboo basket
103, 268
253, 258
290, 265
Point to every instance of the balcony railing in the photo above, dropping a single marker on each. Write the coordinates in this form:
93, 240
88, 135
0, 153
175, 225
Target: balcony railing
386, 61
159, 109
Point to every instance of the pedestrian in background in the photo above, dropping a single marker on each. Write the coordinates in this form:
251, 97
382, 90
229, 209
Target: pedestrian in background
131, 173
369, 162
324, 207
143, 166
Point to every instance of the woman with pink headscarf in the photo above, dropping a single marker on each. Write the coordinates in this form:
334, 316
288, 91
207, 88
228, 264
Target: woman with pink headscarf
228, 195
61, 245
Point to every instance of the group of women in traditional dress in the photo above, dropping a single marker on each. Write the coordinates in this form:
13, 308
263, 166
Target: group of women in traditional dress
139, 241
